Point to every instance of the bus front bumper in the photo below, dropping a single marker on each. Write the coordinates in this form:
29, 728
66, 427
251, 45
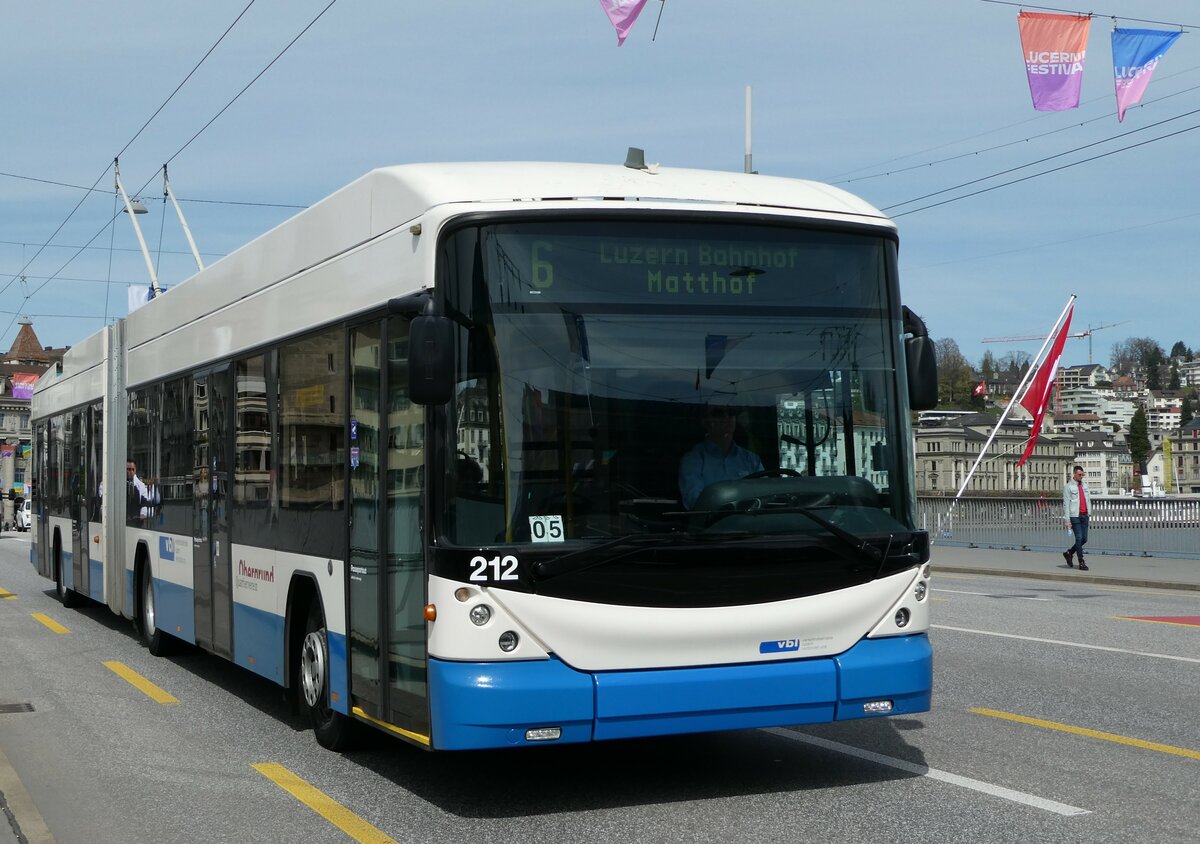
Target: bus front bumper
488, 705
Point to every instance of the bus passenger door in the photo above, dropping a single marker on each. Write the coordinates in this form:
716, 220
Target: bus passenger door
77, 451
387, 565
212, 569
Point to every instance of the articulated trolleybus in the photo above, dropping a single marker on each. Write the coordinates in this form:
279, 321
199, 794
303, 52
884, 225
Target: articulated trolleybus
449, 454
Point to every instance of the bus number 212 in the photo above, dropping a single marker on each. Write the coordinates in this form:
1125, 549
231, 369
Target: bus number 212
503, 568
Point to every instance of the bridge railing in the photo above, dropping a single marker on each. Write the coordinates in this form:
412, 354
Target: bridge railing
1167, 527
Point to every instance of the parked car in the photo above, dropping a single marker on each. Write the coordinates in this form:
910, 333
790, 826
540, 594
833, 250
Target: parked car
24, 515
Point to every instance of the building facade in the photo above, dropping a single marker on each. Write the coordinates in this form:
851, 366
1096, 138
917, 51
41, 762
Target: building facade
1185, 454
20, 368
1107, 464
945, 452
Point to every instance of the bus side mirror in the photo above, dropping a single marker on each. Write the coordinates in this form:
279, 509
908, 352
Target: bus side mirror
921, 361
431, 360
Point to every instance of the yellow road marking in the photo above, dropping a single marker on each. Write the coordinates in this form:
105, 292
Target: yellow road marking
140, 683
51, 623
323, 805
938, 599
1096, 734
1150, 621
5, 594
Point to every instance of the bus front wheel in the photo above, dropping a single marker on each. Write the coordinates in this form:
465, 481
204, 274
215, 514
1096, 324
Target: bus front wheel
332, 729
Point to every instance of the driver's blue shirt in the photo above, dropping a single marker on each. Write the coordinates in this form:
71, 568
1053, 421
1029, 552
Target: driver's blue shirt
707, 464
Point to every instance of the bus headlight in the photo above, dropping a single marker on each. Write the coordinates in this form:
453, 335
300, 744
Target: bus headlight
480, 614
508, 641
902, 617
921, 590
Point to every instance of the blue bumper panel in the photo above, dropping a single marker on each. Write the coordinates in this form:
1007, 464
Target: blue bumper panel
899, 669
258, 641
484, 705
129, 603
339, 671
174, 609
479, 705
96, 580
730, 697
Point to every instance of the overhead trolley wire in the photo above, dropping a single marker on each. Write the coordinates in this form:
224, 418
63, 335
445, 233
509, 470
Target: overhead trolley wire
1044, 172
1043, 160
1009, 143
106, 168
247, 86
1089, 14
179, 198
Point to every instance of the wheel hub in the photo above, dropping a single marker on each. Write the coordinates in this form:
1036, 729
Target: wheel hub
312, 668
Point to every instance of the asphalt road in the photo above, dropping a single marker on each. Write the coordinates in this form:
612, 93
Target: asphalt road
1054, 719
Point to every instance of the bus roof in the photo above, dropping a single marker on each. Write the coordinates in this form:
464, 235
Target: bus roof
390, 197
429, 185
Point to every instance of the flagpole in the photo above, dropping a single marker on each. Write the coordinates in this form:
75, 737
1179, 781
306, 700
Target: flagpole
995, 430
1028, 374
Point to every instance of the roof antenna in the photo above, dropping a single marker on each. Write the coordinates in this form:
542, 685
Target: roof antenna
635, 159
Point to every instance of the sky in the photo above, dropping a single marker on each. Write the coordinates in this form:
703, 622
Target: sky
893, 101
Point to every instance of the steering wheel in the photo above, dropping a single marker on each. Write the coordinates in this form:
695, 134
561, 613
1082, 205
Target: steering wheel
773, 473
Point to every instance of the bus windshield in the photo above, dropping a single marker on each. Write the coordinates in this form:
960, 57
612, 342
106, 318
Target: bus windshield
693, 377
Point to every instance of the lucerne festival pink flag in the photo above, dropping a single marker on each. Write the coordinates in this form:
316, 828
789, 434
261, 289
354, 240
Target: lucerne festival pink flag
1055, 47
622, 13
1135, 55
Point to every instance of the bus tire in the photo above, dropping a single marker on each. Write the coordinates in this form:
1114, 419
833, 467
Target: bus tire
332, 729
156, 641
68, 597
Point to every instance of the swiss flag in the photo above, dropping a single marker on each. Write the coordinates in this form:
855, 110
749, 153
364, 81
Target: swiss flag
980, 389
1038, 395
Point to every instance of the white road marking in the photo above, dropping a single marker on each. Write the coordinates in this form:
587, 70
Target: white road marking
992, 595
933, 773
1068, 644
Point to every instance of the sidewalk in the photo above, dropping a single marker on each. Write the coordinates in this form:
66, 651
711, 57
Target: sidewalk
1158, 572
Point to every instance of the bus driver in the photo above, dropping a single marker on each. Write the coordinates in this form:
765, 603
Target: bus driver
717, 457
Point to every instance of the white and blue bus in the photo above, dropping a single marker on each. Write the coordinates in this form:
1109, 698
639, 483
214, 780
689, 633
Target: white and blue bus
425, 455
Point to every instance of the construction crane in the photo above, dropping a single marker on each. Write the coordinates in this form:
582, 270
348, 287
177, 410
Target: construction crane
1074, 335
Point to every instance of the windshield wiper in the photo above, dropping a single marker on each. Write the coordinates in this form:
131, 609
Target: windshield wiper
596, 555
861, 547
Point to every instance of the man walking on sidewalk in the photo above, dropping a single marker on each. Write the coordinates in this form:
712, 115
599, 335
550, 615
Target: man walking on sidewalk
1076, 497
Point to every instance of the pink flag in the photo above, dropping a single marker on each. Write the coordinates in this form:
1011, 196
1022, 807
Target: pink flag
1038, 395
1135, 55
622, 13
1055, 47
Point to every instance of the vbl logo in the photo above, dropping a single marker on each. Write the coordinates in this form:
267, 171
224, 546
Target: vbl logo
166, 548
779, 646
